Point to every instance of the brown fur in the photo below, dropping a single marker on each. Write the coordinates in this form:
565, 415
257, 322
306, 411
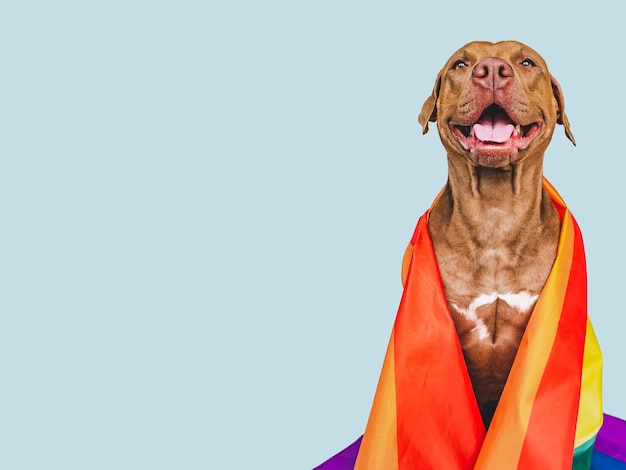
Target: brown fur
494, 228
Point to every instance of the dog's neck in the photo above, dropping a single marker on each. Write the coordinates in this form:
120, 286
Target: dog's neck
494, 206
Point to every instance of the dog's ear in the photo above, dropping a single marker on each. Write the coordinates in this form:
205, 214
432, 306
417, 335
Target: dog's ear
561, 117
429, 110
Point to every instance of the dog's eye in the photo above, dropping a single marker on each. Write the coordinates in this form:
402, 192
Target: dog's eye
459, 64
527, 63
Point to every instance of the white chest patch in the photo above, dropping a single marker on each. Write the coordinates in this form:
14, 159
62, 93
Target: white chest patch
520, 301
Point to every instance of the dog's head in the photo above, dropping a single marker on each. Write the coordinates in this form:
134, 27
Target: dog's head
495, 103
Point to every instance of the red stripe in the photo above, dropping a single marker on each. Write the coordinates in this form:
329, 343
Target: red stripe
550, 436
439, 424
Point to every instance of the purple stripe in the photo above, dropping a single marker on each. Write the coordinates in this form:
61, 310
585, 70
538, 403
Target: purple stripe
344, 460
611, 439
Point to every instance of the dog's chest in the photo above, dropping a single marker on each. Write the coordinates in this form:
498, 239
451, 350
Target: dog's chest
492, 318
491, 305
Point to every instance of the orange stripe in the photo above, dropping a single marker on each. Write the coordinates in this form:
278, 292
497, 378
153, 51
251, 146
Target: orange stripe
379, 448
559, 392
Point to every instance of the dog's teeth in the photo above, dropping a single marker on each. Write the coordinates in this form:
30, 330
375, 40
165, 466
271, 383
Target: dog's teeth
518, 128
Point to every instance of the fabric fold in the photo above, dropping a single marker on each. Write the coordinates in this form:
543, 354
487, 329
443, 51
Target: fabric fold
424, 413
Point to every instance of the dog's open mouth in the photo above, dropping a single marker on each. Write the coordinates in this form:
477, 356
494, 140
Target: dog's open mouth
495, 130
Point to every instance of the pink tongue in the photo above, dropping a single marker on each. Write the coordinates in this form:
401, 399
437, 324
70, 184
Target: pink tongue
498, 130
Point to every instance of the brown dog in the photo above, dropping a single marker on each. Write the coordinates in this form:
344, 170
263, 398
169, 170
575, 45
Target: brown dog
495, 230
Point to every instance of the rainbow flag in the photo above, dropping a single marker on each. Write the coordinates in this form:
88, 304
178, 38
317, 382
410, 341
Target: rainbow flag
425, 413
609, 452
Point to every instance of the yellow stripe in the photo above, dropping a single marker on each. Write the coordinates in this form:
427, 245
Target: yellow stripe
379, 448
590, 408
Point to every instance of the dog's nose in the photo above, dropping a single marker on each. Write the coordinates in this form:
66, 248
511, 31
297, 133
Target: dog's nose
492, 73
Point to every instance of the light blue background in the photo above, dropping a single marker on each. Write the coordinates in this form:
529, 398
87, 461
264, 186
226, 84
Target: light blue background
204, 208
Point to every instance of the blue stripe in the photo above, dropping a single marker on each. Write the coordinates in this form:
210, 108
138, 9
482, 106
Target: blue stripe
600, 461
